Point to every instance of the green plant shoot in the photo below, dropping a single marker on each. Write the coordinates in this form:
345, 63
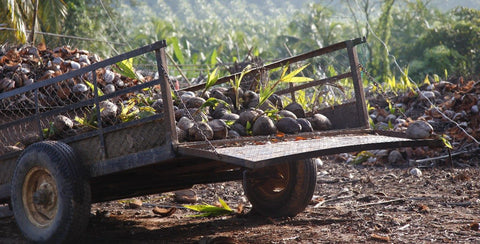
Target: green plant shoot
445, 141
236, 84
268, 90
426, 81
211, 80
208, 210
92, 87
125, 68
177, 51
213, 102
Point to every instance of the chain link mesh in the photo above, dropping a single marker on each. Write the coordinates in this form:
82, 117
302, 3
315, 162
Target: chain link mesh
68, 108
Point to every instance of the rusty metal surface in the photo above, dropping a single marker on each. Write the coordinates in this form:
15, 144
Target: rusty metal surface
258, 154
131, 161
361, 112
170, 132
343, 116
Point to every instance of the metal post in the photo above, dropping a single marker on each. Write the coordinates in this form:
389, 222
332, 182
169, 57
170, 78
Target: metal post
101, 137
357, 84
165, 86
37, 116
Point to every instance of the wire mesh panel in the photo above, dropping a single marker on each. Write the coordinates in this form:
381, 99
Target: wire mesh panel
81, 100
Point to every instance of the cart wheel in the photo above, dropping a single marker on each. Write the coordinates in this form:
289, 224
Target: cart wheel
281, 190
50, 193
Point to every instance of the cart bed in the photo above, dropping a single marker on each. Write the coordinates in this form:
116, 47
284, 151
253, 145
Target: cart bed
257, 152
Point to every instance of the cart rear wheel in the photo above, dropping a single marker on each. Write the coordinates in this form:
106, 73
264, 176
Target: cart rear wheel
281, 190
50, 194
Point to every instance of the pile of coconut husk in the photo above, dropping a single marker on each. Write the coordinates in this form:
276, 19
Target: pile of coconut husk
447, 109
448, 106
24, 65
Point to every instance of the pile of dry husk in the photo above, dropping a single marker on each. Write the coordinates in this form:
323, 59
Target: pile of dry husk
24, 65
450, 107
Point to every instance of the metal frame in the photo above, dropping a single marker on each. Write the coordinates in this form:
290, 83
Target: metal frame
356, 111
349, 45
173, 152
41, 112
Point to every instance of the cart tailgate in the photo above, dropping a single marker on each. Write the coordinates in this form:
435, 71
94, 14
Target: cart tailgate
260, 153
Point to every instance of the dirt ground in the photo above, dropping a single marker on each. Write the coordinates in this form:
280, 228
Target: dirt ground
352, 204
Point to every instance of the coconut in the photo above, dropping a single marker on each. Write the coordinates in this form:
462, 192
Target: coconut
306, 125
297, 109
288, 125
320, 122
200, 132
264, 126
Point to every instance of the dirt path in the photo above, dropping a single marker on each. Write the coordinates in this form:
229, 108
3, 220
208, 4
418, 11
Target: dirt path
351, 204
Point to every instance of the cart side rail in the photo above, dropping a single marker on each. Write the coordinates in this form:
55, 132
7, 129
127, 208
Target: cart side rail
28, 113
356, 111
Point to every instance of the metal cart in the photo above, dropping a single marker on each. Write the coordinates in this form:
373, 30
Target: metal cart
50, 184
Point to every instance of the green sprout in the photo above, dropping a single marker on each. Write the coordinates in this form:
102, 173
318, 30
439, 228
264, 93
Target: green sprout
236, 85
211, 80
268, 90
208, 210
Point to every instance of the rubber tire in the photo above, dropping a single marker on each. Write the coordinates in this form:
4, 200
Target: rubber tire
73, 197
293, 199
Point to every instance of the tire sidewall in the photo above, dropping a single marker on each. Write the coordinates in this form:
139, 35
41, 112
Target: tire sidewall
52, 161
293, 199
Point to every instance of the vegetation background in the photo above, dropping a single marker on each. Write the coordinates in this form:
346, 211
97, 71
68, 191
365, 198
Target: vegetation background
427, 37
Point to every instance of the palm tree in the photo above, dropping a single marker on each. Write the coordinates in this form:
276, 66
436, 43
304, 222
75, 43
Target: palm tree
21, 15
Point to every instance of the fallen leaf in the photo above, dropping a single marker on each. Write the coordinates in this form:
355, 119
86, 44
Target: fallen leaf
380, 238
164, 212
475, 226
299, 138
422, 208
240, 208
462, 177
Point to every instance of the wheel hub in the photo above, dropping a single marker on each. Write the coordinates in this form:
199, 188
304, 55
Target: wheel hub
39, 196
43, 196
271, 181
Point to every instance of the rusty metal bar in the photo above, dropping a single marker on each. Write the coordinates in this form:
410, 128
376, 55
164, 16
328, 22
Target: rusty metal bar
36, 116
283, 62
81, 71
131, 161
357, 85
101, 137
170, 128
